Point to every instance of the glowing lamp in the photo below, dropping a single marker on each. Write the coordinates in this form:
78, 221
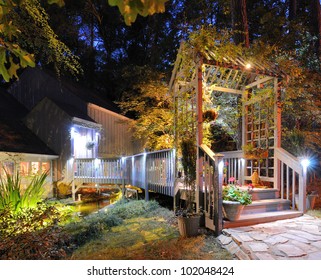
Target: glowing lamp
305, 162
248, 66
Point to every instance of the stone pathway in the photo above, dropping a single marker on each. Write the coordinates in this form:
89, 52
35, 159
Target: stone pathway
296, 239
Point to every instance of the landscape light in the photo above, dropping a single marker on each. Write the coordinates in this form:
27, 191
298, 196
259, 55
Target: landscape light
305, 162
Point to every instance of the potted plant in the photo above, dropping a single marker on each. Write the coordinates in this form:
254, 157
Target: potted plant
188, 218
251, 152
234, 200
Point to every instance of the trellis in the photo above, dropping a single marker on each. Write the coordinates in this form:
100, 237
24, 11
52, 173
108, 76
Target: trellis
257, 85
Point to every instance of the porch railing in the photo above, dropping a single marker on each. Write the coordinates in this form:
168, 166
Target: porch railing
153, 171
289, 175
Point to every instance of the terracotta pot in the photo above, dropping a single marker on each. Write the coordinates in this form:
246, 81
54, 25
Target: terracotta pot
232, 210
188, 226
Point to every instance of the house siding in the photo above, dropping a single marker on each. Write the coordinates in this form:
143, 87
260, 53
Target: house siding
116, 137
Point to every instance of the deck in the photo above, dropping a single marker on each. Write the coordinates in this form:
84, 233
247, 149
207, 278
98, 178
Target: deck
156, 172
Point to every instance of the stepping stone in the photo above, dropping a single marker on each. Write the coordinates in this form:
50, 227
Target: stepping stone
258, 247
291, 251
258, 236
224, 240
317, 244
239, 238
314, 256
308, 248
306, 235
314, 229
277, 239
264, 256
295, 237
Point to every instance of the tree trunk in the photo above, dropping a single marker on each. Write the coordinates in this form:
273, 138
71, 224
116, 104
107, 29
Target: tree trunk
239, 22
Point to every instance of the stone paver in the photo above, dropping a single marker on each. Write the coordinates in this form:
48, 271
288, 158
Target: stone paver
296, 239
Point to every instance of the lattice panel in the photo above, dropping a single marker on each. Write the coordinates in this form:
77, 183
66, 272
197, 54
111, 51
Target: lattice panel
259, 132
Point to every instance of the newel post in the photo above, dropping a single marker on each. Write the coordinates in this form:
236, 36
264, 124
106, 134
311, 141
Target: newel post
199, 132
218, 181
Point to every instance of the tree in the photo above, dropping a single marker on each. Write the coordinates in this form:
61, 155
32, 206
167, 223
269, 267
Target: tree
16, 15
239, 22
23, 27
146, 100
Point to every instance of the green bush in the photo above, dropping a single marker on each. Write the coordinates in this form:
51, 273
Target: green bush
12, 196
128, 210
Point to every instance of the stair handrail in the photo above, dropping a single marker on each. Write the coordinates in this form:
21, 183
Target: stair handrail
206, 159
283, 157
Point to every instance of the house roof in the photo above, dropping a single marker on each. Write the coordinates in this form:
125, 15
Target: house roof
14, 135
44, 83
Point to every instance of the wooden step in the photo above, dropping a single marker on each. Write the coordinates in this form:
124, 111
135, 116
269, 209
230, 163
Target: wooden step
266, 205
259, 218
259, 194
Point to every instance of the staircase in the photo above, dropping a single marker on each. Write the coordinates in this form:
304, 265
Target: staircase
266, 207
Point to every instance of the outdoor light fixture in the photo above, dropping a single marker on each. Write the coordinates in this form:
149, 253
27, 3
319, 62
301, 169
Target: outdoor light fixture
97, 162
248, 66
305, 162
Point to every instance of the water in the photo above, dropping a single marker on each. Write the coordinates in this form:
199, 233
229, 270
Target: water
86, 208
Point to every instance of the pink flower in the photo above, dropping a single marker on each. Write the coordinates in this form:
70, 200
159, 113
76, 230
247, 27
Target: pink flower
231, 179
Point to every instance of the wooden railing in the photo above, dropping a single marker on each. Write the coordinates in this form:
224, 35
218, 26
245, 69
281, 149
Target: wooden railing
99, 171
290, 175
210, 183
153, 171
234, 166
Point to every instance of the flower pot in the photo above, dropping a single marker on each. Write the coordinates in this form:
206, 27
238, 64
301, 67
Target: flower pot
188, 226
232, 210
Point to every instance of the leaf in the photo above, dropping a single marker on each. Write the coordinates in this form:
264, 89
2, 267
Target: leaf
60, 3
13, 69
3, 69
131, 8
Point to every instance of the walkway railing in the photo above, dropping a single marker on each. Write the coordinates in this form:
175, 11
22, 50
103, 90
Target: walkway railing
290, 175
153, 171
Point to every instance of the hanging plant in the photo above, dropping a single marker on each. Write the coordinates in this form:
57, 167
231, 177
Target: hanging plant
90, 145
210, 115
251, 152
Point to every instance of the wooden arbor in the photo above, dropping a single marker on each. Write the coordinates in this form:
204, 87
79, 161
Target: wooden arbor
197, 80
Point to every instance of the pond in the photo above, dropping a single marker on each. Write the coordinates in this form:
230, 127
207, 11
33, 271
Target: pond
92, 204
90, 207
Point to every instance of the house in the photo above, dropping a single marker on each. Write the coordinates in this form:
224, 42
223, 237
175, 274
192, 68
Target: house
72, 121
20, 149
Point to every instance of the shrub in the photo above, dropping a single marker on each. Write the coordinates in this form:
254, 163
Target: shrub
12, 196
